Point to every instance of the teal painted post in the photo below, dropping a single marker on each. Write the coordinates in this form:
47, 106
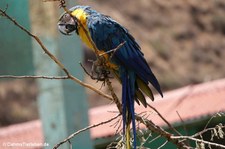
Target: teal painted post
15, 45
62, 103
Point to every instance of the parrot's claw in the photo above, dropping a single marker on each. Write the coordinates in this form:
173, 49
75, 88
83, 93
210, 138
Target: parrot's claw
98, 72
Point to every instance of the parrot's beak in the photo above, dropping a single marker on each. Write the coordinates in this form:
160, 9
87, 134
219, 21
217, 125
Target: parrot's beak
66, 29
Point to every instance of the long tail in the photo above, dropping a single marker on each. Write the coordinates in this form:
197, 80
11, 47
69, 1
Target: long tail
128, 93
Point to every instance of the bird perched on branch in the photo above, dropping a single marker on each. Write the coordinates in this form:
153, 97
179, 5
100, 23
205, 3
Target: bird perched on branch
102, 34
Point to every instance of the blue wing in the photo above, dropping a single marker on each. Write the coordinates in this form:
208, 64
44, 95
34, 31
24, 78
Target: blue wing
107, 34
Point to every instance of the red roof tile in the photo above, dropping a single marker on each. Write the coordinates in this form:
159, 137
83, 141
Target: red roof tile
191, 102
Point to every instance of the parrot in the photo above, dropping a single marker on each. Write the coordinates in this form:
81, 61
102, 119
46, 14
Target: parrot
101, 34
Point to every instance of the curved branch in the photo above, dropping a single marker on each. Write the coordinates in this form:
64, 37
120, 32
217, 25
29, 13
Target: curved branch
205, 130
160, 115
84, 129
158, 130
198, 140
34, 77
3, 13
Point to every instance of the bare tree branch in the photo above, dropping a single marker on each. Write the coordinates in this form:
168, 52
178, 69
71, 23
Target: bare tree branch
158, 130
3, 13
198, 140
35, 77
163, 144
84, 129
160, 115
205, 130
115, 98
215, 115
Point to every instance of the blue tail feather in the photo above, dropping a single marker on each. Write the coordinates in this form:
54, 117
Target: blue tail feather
128, 93
124, 102
131, 104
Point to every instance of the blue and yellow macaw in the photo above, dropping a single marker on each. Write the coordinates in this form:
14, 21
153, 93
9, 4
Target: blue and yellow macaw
102, 34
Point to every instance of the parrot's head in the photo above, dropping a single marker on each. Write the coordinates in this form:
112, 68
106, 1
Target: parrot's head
67, 24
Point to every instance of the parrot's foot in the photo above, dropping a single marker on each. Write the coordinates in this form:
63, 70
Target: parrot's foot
98, 71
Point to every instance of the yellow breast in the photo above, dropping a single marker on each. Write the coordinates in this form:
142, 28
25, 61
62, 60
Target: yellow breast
81, 15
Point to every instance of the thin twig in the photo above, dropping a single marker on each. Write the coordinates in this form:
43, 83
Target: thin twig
160, 115
34, 77
203, 131
163, 144
158, 130
183, 123
84, 129
71, 146
215, 115
184, 126
154, 139
115, 98
85, 70
113, 50
198, 140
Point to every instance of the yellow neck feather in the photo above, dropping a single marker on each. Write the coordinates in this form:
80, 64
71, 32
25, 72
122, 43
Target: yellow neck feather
81, 15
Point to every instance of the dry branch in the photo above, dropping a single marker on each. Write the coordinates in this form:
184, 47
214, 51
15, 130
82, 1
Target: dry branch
35, 77
198, 140
3, 13
84, 129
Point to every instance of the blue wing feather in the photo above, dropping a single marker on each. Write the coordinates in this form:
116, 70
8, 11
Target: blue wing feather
107, 34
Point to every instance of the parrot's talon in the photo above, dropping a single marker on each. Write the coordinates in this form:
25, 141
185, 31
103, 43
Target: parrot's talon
101, 72
98, 72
